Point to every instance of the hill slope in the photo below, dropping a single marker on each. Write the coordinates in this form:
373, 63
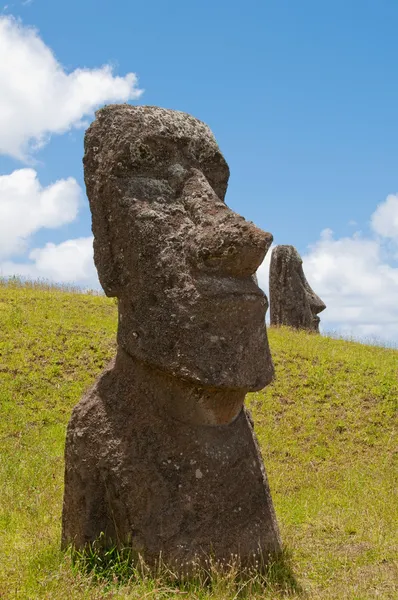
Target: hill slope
327, 428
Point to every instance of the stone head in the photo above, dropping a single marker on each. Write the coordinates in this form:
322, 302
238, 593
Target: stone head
166, 245
293, 301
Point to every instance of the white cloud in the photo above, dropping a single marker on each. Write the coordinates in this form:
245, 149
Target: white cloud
68, 262
263, 275
26, 206
359, 288
357, 279
385, 218
38, 97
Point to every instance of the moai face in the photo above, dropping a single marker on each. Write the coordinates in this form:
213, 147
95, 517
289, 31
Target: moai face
178, 259
293, 301
314, 303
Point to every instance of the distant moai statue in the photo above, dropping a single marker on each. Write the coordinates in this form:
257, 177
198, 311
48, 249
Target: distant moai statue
160, 453
292, 300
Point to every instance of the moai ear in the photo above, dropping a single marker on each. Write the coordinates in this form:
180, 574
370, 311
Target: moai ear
107, 267
106, 259
100, 193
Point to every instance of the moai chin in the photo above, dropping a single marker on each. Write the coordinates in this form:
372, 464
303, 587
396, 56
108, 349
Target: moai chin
160, 453
292, 300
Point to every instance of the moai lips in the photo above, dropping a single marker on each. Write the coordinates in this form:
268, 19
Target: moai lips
160, 453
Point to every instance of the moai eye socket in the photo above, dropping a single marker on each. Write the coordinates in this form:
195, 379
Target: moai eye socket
141, 155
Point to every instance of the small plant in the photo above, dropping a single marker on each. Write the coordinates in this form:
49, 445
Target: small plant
112, 564
112, 567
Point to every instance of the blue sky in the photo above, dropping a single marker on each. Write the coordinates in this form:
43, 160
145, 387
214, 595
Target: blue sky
302, 97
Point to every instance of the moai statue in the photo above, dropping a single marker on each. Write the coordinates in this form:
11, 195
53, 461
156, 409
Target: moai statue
160, 453
292, 301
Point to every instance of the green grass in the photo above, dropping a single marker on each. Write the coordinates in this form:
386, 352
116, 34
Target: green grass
327, 428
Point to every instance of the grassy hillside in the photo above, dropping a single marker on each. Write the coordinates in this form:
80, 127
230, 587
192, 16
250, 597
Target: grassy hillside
327, 429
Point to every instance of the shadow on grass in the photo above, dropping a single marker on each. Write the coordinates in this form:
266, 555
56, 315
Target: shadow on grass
115, 566
280, 575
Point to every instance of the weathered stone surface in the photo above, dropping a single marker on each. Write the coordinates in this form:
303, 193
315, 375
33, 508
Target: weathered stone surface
160, 453
292, 301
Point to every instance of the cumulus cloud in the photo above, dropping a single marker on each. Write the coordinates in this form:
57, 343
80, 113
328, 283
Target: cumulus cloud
263, 275
358, 286
384, 220
68, 262
357, 278
26, 206
39, 98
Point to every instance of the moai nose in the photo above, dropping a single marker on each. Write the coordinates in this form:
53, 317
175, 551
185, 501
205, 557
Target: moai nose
234, 246
317, 305
224, 242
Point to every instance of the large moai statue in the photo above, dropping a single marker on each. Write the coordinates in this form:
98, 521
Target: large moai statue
292, 301
160, 453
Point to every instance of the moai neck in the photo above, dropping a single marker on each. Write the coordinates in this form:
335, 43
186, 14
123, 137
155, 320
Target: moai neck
183, 400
